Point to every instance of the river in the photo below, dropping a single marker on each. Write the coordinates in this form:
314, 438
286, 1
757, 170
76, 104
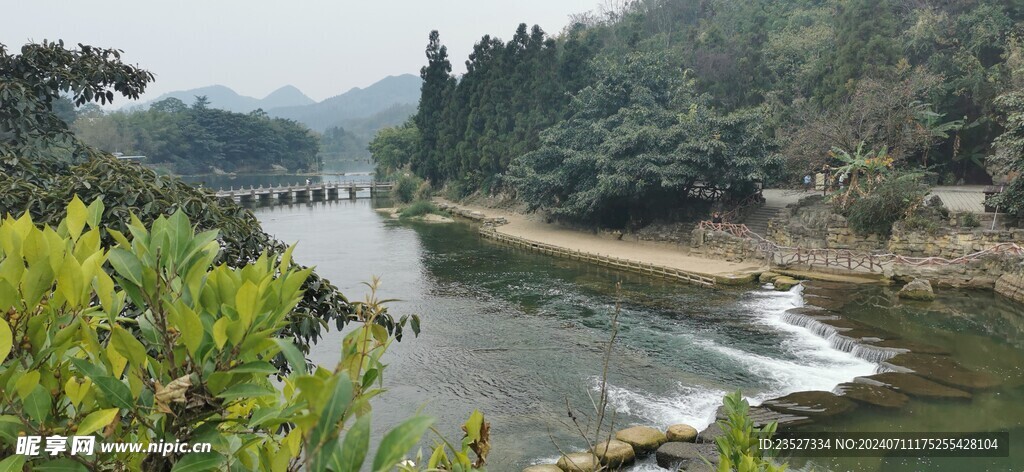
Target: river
518, 335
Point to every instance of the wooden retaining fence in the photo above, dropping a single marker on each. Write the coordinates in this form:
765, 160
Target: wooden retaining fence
601, 260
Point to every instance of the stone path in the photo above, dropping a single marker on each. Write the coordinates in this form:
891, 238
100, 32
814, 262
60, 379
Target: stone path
531, 227
969, 198
780, 197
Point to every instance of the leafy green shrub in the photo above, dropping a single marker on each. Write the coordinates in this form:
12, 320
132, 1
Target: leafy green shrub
43, 187
405, 188
193, 367
424, 192
892, 200
922, 224
738, 448
969, 220
456, 190
418, 208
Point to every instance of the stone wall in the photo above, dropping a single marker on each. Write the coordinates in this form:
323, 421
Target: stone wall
981, 274
723, 246
952, 243
1011, 283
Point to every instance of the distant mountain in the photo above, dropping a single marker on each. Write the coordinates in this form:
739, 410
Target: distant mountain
358, 103
226, 99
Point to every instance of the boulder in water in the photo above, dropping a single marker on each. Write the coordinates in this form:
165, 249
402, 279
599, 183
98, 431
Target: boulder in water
943, 369
815, 404
917, 289
767, 277
614, 453
579, 462
784, 283
686, 456
874, 395
708, 435
913, 385
681, 433
644, 439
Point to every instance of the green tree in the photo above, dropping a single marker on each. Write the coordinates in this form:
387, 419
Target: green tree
33, 82
637, 142
393, 148
438, 84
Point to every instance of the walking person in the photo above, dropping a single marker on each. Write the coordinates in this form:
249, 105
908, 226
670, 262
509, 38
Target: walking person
716, 218
807, 183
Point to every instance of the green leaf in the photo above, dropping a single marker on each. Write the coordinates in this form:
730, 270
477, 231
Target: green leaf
247, 390
96, 421
191, 328
95, 213
245, 302
26, 383
128, 346
6, 340
292, 355
77, 216
398, 441
473, 425
328, 425
220, 332
116, 392
126, 265
199, 462
353, 449
14, 463
37, 404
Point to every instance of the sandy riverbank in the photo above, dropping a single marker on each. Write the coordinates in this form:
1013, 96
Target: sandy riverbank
532, 227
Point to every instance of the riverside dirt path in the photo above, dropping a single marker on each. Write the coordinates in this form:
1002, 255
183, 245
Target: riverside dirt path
531, 227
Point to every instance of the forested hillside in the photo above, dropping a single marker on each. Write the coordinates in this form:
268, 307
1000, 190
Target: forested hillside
197, 138
640, 103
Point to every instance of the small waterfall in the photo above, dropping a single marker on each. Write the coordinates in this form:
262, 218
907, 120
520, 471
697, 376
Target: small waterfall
809, 322
843, 343
875, 353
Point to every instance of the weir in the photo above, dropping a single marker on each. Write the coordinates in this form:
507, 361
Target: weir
303, 192
836, 339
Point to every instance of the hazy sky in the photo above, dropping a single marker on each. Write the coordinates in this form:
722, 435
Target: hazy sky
255, 46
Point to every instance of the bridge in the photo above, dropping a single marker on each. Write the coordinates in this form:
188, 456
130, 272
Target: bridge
300, 192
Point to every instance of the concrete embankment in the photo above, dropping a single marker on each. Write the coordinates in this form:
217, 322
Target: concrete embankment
666, 260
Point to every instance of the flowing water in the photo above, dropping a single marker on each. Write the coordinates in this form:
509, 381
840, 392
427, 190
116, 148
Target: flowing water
519, 335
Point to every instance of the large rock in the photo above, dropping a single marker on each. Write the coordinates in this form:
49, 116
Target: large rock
579, 462
614, 453
875, 395
784, 283
767, 277
681, 433
644, 439
944, 370
917, 289
686, 456
543, 468
814, 404
708, 435
913, 385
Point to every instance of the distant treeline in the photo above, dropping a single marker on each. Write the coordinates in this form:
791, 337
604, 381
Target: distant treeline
637, 104
197, 139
